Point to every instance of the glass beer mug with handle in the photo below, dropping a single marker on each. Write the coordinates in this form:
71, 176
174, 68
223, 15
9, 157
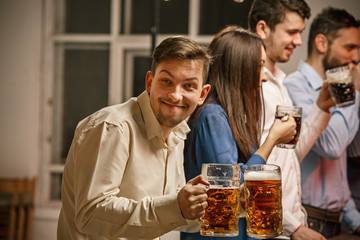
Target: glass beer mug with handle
263, 201
221, 217
341, 85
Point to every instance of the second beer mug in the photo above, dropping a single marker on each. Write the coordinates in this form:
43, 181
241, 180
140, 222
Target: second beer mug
221, 217
263, 201
296, 112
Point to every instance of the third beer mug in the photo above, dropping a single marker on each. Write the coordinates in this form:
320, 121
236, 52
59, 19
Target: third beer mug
263, 201
221, 217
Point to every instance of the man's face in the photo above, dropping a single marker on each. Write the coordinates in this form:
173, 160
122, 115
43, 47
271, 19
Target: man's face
282, 41
175, 90
343, 49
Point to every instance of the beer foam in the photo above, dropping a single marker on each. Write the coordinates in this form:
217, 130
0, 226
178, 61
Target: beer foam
262, 175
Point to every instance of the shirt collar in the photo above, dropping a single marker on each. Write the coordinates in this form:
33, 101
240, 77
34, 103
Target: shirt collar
310, 74
152, 126
278, 75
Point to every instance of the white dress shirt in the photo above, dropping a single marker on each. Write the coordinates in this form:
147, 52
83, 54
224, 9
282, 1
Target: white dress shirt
275, 93
121, 179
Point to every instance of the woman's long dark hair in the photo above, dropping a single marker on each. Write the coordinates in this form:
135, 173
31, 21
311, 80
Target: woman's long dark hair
234, 78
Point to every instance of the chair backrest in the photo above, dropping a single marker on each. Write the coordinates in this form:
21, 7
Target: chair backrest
17, 197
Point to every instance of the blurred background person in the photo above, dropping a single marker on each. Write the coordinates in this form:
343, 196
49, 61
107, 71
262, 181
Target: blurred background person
279, 23
334, 40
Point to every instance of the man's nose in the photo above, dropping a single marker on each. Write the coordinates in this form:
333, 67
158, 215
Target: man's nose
297, 39
175, 94
355, 56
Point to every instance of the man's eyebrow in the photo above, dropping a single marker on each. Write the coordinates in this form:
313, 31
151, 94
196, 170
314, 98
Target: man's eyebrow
352, 45
186, 79
166, 71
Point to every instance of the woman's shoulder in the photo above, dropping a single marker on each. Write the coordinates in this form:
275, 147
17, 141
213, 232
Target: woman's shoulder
210, 113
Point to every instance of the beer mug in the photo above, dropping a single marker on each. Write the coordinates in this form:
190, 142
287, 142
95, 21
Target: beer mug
221, 216
341, 85
263, 201
296, 113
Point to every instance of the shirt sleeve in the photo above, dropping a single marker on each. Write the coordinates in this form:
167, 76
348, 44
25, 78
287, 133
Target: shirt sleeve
99, 209
314, 120
339, 132
311, 129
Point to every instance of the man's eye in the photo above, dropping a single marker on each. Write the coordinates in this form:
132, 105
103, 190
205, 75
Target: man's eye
165, 80
189, 86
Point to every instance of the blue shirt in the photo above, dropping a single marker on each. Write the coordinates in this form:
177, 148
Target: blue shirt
354, 168
212, 141
324, 169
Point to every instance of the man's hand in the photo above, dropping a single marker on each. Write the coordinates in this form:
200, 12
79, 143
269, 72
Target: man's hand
192, 198
324, 101
304, 233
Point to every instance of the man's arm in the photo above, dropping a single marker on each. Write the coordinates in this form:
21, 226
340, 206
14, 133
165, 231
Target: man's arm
340, 129
100, 211
316, 114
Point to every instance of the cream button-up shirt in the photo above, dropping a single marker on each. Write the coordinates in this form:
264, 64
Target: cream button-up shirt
275, 93
121, 179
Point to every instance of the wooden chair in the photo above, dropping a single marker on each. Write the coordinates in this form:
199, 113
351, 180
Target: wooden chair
17, 198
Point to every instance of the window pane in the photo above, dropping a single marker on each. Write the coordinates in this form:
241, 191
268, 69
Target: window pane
137, 64
173, 16
87, 16
216, 14
141, 66
81, 90
55, 186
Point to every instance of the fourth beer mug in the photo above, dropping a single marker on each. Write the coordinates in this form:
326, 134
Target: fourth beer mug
263, 201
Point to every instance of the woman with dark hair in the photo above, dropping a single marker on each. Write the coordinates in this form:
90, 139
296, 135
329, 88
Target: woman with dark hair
227, 128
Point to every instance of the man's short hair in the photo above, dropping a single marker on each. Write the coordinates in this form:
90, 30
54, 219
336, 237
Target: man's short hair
328, 22
180, 47
273, 11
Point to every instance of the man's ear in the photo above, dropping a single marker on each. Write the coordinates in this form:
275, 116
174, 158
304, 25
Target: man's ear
262, 30
204, 92
321, 43
149, 78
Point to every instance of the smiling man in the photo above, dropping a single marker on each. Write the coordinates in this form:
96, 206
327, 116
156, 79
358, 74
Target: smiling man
334, 40
279, 23
124, 176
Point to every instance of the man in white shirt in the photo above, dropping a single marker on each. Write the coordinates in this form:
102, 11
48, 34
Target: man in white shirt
124, 175
279, 24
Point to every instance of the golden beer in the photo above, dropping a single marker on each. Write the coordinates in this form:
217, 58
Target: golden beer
221, 218
221, 215
263, 203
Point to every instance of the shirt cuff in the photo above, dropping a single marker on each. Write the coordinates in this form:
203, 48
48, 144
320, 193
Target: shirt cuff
290, 223
255, 159
168, 211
